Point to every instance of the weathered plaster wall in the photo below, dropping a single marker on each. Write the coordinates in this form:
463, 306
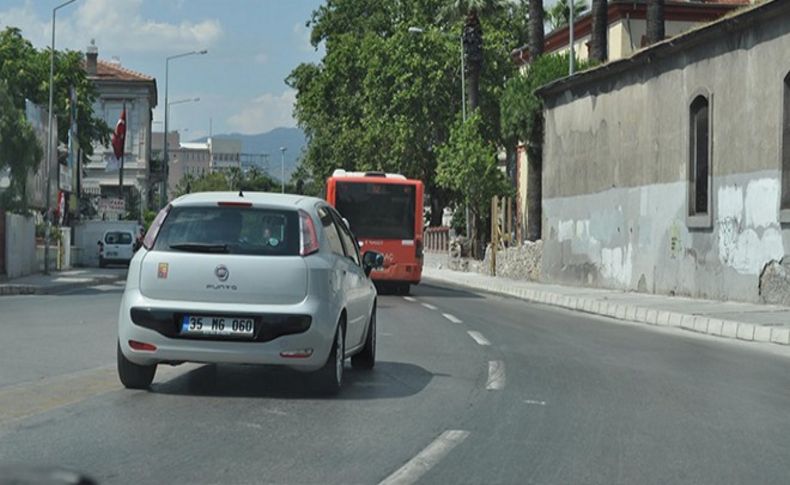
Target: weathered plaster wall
616, 164
637, 239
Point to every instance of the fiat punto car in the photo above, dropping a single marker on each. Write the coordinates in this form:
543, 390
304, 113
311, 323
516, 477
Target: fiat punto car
248, 278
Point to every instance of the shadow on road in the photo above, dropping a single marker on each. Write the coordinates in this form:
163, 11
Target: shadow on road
426, 289
387, 380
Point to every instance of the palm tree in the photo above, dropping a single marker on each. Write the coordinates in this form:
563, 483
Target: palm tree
536, 34
559, 15
655, 21
600, 21
534, 143
472, 35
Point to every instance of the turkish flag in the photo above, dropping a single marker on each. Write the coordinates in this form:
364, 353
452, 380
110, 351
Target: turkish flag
119, 135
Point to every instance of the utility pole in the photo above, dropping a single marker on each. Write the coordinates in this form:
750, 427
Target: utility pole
572, 55
50, 115
282, 169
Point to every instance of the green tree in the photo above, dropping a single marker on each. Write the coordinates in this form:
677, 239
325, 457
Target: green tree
210, 182
559, 14
20, 151
383, 98
468, 165
26, 70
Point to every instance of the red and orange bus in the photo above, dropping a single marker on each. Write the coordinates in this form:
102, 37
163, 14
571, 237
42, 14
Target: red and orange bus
385, 212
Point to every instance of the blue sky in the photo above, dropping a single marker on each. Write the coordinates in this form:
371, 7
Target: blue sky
252, 46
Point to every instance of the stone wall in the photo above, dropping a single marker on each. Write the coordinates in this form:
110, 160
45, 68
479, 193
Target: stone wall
518, 262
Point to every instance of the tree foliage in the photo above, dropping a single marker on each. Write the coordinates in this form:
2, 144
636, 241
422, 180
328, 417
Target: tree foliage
559, 14
26, 70
521, 107
383, 98
468, 165
234, 179
20, 150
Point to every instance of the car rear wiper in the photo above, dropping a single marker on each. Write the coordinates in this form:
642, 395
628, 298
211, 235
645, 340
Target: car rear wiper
201, 247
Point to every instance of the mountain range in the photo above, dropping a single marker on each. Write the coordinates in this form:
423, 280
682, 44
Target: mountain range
292, 139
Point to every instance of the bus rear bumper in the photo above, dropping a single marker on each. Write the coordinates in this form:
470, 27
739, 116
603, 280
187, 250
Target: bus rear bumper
400, 273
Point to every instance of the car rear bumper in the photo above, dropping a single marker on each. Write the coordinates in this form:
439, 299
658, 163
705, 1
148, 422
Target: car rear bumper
173, 348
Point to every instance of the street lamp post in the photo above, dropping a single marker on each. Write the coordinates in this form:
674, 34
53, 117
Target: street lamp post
49, 137
282, 169
420, 30
165, 160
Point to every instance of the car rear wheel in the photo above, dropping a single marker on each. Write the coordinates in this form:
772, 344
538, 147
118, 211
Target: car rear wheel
329, 378
134, 376
366, 359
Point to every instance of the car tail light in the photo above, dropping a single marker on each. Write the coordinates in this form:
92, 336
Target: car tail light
308, 238
135, 345
418, 248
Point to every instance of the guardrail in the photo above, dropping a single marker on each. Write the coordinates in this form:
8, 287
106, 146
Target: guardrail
437, 239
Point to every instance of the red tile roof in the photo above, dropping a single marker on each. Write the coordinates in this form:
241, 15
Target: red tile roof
111, 71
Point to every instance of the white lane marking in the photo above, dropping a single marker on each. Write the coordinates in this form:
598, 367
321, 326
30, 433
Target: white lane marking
429, 306
478, 337
452, 318
496, 375
531, 401
426, 459
409, 298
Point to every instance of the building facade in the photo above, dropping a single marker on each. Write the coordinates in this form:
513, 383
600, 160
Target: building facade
119, 88
626, 34
669, 171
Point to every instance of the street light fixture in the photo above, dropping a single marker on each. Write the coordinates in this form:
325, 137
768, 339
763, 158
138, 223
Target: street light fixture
49, 137
167, 111
186, 100
419, 30
282, 169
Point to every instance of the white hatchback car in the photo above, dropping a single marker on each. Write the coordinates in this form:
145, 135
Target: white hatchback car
248, 278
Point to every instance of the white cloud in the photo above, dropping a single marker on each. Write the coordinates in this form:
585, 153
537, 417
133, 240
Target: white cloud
302, 35
265, 113
262, 58
117, 26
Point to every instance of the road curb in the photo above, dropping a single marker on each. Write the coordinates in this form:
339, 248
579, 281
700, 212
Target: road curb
694, 323
14, 289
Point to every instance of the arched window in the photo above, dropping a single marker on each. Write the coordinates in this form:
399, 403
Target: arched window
699, 156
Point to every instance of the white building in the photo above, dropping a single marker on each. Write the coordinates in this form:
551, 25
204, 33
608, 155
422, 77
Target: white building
119, 87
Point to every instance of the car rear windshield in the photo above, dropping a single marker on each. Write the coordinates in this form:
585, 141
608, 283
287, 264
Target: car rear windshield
231, 230
118, 238
377, 211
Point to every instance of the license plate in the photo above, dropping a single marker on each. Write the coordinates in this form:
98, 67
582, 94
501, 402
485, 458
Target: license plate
209, 326
112, 253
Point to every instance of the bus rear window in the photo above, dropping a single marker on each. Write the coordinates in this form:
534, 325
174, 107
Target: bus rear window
232, 230
377, 211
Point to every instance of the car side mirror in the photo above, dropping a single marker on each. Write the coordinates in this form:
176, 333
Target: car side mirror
371, 260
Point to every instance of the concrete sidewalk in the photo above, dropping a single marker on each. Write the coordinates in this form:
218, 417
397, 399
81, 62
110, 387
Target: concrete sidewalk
60, 281
745, 321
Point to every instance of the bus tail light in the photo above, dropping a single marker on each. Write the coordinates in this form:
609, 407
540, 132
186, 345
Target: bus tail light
418, 246
308, 237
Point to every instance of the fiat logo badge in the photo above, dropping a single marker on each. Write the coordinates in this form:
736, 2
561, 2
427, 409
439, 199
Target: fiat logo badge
222, 272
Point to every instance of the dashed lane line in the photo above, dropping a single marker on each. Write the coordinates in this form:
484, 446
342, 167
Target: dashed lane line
426, 459
429, 306
496, 375
452, 318
478, 337
410, 298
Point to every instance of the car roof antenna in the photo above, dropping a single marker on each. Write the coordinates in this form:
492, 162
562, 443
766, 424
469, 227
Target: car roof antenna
241, 193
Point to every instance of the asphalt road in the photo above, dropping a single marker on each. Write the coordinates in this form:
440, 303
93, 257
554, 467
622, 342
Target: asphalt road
469, 388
